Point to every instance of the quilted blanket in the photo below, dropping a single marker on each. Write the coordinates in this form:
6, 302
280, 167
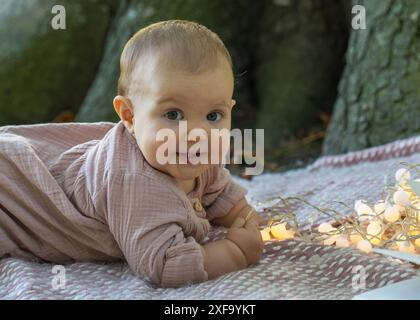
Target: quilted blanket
288, 270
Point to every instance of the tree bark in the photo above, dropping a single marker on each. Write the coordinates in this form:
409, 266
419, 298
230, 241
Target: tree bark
300, 61
45, 71
379, 93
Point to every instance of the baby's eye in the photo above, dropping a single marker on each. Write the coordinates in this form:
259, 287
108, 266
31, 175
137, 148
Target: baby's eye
174, 115
214, 116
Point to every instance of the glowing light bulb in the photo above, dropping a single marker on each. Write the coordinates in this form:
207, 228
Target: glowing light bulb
414, 230
355, 238
357, 204
364, 246
374, 228
392, 213
280, 232
331, 239
290, 234
401, 197
325, 227
400, 237
416, 205
342, 241
374, 240
363, 210
402, 175
379, 207
265, 233
406, 246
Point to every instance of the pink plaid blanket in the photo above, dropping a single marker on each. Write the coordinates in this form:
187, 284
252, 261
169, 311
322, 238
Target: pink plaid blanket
288, 269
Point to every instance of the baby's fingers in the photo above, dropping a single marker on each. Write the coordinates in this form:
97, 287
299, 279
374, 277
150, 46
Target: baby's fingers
238, 223
252, 225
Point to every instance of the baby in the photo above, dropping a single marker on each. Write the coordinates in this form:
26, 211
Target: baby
109, 197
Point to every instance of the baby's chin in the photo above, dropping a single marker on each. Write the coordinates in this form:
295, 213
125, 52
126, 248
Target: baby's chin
186, 171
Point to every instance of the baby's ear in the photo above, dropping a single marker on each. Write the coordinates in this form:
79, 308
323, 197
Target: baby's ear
123, 108
233, 103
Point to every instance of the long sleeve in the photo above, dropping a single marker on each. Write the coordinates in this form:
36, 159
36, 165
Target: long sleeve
221, 192
147, 218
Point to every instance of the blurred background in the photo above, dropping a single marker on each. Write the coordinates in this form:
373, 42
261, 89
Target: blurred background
316, 85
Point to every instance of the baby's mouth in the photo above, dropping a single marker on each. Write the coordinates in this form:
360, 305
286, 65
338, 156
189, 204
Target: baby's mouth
197, 154
189, 156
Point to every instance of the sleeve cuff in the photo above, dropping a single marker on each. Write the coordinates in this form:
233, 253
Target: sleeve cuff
184, 265
232, 193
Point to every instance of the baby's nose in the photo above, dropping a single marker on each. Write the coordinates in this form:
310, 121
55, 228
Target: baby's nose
195, 132
200, 125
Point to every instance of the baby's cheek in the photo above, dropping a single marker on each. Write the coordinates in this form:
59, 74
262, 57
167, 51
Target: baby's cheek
222, 149
147, 144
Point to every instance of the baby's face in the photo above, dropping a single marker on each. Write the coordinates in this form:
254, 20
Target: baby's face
203, 100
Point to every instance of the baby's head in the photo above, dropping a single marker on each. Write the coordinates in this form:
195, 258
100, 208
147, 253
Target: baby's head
171, 71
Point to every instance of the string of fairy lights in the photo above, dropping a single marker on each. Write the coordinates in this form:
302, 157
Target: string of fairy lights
392, 222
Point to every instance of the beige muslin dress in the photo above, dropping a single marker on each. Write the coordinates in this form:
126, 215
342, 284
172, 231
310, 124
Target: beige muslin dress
84, 192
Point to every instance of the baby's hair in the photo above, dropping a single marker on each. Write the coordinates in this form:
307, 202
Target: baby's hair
188, 45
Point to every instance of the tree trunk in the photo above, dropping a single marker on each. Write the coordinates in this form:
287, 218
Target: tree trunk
300, 61
379, 93
232, 20
43, 71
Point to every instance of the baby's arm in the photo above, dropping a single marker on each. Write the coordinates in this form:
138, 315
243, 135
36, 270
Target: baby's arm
147, 226
240, 209
242, 247
222, 256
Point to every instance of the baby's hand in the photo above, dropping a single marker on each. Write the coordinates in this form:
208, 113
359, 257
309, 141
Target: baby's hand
252, 214
247, 236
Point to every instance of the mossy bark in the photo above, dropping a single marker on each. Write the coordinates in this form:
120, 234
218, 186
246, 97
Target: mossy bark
232, 20
379, 93
300, 61
45, 71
